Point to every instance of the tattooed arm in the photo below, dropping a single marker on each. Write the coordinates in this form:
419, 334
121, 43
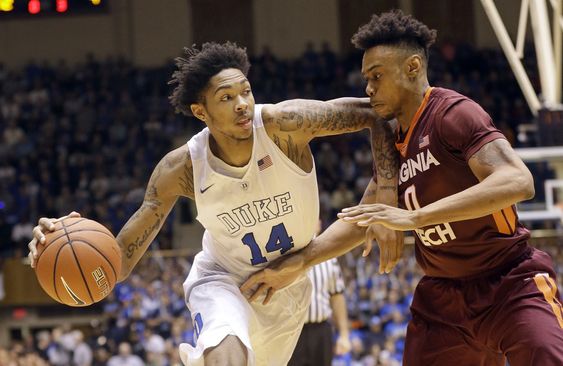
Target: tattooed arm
293, 123
171, 178
305, 119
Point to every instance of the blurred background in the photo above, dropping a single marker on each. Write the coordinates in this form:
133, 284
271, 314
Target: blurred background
84, 118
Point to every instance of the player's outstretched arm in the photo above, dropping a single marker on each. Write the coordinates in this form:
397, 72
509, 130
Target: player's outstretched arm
171, 178
298, 121
503, 181
337, 239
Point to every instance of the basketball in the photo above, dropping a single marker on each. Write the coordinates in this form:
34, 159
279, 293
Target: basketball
79, 263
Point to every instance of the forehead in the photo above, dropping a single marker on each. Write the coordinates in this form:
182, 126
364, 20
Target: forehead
379, 56
226, 78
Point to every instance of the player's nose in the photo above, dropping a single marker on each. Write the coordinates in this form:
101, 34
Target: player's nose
241, 105
369, 90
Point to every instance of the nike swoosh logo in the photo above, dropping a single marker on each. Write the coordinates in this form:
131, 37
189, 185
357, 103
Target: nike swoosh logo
71, 293
202, 190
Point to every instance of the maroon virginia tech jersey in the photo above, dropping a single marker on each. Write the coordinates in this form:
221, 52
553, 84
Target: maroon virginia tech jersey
447, 130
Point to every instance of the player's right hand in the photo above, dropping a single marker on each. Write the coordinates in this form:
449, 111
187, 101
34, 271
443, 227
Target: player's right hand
45, 225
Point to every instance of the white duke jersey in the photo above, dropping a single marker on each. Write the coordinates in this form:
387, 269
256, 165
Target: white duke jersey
272, 210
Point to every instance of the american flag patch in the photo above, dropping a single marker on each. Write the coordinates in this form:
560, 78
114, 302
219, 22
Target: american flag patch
265, 162
423, 142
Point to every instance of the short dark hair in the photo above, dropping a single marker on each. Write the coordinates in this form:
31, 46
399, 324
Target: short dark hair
394, 28
198, 66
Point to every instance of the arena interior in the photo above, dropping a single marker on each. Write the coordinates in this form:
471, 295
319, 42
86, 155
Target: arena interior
85, 116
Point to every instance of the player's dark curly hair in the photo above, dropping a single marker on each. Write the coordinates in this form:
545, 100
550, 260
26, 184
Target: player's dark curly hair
395, 28
194, 71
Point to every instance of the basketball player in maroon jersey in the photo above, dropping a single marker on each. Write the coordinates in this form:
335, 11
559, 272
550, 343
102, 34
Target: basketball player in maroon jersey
486, 296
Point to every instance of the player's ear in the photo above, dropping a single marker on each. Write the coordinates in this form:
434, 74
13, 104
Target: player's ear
413, 66
198, 111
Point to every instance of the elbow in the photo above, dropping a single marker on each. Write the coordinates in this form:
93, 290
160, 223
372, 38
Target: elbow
526, 186
530, 192
125, 272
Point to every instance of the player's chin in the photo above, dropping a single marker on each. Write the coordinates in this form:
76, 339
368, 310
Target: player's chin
244, 135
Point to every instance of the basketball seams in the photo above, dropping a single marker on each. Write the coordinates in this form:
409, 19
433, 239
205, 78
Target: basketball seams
76, 258
100, 253
55, 263
79, 230
74, 223
81, 271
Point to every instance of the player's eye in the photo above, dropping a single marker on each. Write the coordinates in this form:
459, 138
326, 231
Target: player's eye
246, 91
377, 76
225, 98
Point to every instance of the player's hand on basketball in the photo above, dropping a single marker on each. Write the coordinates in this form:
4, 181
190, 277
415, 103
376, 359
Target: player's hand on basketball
377, 213
45, 225
391, 243
343, 345
278, 275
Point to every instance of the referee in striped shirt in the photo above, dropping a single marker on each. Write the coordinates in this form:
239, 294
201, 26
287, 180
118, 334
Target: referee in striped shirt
315, 346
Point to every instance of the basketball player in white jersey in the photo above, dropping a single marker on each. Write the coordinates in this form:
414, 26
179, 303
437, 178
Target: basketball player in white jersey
252, 176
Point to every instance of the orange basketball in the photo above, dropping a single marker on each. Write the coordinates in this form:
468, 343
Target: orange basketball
79, 263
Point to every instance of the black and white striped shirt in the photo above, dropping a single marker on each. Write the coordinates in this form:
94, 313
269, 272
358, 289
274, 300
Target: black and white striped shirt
327, 281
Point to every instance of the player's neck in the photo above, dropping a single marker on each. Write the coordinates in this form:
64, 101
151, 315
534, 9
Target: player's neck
233, 152
411, 105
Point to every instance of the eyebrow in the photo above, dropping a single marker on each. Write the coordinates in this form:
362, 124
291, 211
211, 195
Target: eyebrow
228, 86
371, 68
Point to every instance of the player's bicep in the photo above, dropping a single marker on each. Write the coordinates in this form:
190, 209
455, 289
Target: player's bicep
496, 156
172, 177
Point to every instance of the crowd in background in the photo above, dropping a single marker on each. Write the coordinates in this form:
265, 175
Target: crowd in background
85, 138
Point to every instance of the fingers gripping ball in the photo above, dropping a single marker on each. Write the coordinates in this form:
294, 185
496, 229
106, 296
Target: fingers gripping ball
79, 263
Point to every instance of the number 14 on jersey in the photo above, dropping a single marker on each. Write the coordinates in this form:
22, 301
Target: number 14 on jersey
279, 240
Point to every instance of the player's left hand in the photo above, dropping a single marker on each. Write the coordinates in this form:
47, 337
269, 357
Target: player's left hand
343, 345
276, 276
377, 213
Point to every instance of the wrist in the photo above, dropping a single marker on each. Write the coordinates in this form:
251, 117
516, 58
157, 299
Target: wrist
307, 256
419, 218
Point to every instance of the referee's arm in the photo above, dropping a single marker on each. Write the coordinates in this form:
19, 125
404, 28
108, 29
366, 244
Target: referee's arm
340, 317
338, 305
